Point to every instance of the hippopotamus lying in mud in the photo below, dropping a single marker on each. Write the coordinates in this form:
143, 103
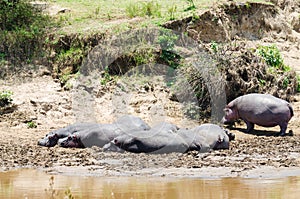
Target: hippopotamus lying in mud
89, 134
163, 140
52, 138
132, 134
261, 109
163, 127
215, 136
194, 140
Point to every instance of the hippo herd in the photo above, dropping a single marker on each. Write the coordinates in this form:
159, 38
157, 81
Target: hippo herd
132, 134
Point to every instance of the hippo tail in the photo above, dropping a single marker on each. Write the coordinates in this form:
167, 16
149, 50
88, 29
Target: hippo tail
291, 110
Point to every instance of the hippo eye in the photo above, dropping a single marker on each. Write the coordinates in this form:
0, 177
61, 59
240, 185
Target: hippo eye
115, 141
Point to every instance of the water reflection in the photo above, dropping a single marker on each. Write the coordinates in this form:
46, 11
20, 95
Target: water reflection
37, 184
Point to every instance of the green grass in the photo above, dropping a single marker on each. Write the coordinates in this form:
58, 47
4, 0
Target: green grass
93, 15
121, 15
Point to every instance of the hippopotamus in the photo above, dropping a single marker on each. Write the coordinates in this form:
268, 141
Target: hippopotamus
92, 136
261, 109
131, 122
159, 139
162, 126
52, 138
89, 134
215, 136
194, 140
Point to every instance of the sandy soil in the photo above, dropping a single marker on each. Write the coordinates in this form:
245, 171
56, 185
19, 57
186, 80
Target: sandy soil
43, 101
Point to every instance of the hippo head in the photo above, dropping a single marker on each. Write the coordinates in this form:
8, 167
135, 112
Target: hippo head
72, 141
49, 141
221, 143
126, 142
231, 115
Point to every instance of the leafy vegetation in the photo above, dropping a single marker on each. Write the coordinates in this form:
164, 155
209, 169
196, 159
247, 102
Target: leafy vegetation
167, 41
214, 46
22, 27
106, 77
272, 56
5, 98
191, 4
31, 125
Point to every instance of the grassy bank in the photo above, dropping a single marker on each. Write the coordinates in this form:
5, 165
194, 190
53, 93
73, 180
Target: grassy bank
121, 15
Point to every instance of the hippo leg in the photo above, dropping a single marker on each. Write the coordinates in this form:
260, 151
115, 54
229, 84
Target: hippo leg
283, 128
230, 135
250, 126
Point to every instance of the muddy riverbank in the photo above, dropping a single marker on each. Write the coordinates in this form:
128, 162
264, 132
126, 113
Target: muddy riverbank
257, 154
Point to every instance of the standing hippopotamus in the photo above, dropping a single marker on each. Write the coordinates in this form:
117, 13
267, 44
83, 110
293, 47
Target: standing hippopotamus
159, 139
90, 134
261, 109
215, 136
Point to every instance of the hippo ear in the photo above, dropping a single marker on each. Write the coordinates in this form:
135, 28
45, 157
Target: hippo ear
75, 138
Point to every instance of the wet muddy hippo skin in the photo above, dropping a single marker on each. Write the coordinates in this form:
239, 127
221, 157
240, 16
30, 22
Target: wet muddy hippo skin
86, 132
159, 139
261, 109
215, 136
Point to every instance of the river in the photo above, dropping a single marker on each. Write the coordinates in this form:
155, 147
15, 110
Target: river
29, 183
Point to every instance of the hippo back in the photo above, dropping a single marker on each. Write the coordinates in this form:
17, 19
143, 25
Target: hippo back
263, 109
130, 122
195, 141
151, 142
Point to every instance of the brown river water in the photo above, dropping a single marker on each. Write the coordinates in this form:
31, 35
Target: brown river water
28, 183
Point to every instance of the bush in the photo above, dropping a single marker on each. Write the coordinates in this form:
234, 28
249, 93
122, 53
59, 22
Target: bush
5, 98
167, 40
272, 57
22, 27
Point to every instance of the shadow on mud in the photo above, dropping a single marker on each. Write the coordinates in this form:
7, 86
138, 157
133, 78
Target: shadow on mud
260, 132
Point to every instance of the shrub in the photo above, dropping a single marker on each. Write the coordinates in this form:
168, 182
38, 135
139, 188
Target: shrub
167, 40
21, 29
5, 98
31, 125
272, 57
191, 5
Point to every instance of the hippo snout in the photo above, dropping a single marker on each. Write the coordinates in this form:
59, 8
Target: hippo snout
62, 142
42, 142
227, 122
